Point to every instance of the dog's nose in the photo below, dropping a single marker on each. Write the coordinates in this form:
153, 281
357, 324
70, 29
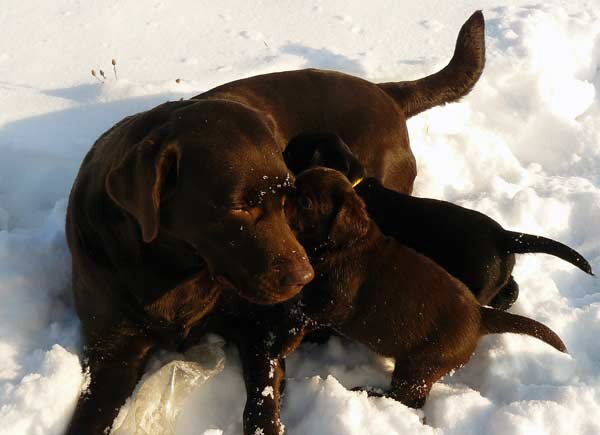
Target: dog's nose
296, 273
298, 277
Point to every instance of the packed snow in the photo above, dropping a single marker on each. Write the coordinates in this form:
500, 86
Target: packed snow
523, 147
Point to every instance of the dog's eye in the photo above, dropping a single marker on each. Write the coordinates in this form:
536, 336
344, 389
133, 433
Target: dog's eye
247, 213
305, 202
239, 211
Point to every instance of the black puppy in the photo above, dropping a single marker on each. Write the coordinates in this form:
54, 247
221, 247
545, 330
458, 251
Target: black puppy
469, 245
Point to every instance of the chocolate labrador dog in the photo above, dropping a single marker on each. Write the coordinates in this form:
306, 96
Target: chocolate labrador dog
469, 245
173, 205
374, 290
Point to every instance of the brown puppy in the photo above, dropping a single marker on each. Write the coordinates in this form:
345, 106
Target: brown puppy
469, 245
374, 290
190, 190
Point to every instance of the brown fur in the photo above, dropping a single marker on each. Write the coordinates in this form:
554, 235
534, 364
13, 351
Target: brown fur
171, 205
370, 288
452, 82
486, 258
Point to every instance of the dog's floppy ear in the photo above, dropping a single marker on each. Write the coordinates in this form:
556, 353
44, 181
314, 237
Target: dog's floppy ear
138, 182
351, 222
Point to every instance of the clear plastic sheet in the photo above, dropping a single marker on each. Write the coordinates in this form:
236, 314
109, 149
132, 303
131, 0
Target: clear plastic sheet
155, 405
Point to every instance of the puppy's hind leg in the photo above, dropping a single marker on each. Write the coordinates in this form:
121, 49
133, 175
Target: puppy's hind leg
412, 380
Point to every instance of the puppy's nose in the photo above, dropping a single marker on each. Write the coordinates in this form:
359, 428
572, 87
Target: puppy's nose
296, 273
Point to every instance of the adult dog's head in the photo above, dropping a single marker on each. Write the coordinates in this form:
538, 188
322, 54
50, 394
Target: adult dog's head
210, 173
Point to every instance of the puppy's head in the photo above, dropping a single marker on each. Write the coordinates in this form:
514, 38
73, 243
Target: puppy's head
210, 173
325, 211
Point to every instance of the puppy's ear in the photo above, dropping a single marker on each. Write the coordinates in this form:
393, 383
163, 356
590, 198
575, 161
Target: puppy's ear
334, 153
300, 151
323, 149
140, 180
351, 223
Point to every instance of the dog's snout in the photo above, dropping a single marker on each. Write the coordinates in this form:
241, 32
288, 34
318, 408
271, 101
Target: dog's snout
298, 276
295, 272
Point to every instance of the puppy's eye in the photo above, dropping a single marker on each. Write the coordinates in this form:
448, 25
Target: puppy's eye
305, 202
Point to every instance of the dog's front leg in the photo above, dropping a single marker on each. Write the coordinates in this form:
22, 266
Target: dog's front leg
115, 366
263, 375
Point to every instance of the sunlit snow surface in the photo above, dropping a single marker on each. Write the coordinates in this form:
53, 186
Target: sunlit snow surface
523, 147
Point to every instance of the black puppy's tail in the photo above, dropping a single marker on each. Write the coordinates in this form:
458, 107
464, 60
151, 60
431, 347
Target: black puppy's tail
494, 321
452, 82
521, 243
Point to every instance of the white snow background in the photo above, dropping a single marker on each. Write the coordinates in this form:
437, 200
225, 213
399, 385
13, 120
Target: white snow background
523, 147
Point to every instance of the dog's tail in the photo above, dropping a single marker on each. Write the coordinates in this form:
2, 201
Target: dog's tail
451, 83
495, 321
521, 243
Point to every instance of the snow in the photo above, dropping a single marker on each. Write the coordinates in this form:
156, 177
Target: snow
523, 147
268, 392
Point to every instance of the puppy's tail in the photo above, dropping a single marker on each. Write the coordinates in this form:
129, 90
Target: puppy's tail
521, 243
452, 82
494, 321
